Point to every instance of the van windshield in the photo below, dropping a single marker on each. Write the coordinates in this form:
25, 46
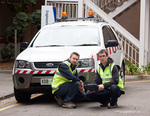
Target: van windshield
67, 36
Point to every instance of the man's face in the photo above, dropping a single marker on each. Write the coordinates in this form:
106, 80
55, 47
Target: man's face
74, 59
103, 58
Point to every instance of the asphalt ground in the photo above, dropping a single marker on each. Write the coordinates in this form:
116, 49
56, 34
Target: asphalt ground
6, 83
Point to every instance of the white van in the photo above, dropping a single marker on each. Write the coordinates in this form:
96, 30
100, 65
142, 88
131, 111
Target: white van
35, 67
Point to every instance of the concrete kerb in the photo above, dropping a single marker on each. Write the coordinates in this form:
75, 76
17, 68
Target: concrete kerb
7, 96
136, 77
5, 71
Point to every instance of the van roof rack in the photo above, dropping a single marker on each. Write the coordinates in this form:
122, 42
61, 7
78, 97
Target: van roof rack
83, 19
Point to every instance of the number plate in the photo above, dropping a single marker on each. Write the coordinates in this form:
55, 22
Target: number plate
46, 81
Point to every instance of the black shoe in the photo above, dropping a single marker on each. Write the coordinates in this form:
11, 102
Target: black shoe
111, 107
104, 105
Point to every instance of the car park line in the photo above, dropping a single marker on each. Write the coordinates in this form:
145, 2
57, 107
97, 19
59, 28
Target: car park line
19, 103
9, 106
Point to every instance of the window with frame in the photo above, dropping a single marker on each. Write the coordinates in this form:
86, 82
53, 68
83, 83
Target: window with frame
108, 34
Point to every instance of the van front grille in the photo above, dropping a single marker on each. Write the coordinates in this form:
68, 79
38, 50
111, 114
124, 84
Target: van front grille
46, 64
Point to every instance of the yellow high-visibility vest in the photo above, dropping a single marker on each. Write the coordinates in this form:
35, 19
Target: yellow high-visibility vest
106, 75
59, 79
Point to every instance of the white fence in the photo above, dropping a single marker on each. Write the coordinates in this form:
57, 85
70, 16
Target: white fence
71, 7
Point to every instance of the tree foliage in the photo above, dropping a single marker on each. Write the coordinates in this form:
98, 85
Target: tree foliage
20, 22
36, 18
20, 6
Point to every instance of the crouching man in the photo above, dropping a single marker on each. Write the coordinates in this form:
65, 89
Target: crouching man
66, 85
110, 85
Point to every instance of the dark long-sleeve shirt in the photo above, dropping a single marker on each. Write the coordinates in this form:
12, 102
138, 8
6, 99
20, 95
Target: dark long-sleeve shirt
115, 75
64, 70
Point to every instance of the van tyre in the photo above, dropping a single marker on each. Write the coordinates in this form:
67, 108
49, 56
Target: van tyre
122, 72
22, 96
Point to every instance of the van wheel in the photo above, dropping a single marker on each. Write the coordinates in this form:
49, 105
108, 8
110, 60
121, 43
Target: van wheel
122, 73
22, 96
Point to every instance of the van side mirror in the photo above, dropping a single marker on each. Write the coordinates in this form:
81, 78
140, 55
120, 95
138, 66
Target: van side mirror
23, 46
111, 43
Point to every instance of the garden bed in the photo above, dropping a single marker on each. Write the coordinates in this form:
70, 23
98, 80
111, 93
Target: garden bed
7, 65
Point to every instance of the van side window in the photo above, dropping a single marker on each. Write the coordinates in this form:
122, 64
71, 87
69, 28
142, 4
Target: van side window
108, 34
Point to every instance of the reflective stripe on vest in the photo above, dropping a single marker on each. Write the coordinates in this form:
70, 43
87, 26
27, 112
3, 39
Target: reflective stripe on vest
59, 79
106, 75
59, 74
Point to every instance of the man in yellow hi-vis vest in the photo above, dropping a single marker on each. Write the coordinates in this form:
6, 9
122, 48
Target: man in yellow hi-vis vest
109, 82
66, 85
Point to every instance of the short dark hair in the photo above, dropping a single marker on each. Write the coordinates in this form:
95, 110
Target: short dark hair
75, 54
103, 51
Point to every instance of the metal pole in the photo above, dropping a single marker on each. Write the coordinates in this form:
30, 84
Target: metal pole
80, 8
143, 33
15, 41
45, 2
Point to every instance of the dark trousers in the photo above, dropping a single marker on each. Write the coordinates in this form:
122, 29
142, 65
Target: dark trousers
106, 95
70, 92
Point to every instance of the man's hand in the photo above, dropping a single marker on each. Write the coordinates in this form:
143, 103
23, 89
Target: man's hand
100, 87
82, 90
90, 91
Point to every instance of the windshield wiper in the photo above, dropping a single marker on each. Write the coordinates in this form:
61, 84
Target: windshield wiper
49, 46
87, 45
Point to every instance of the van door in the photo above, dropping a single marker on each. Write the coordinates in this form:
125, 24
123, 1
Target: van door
114, 52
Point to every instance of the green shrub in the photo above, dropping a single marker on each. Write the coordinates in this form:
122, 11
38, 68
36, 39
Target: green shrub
146, 69
132, 69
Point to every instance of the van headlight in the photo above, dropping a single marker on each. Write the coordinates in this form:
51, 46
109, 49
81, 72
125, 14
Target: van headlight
89, 62
21, 64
